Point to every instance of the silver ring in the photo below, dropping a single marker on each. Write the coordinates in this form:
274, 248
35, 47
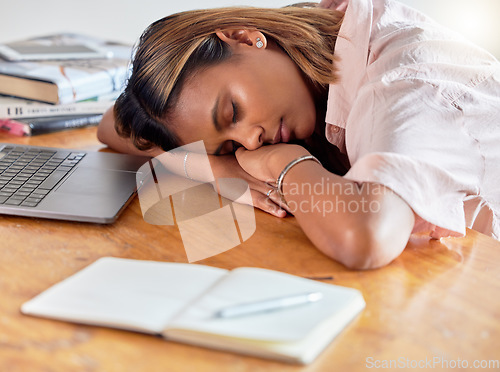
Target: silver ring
269, 193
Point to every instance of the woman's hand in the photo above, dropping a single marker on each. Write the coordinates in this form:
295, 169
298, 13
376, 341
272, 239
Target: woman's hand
266, 163
226, 166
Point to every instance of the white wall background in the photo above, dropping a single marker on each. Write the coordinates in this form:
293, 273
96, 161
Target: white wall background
124, 20
478, 20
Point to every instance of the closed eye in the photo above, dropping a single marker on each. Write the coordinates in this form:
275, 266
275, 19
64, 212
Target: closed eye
235, 112
229, 147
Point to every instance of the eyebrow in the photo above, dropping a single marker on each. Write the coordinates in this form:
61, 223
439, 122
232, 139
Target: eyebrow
215, 110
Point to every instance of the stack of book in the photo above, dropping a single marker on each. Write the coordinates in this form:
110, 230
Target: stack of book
43, 96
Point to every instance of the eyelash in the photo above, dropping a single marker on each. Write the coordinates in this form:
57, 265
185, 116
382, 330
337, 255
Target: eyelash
235, 144
234, 119
235, 112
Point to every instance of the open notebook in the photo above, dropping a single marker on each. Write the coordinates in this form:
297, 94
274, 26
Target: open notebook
179, 301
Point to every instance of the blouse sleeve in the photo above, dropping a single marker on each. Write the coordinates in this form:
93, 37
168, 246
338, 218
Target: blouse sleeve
411, 136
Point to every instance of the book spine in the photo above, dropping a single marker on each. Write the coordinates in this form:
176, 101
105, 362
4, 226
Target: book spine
30, 110
60, 124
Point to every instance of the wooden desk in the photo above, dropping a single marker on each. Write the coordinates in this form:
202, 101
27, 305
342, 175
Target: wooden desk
439, 299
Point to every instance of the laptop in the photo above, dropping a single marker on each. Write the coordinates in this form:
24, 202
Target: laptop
66, 184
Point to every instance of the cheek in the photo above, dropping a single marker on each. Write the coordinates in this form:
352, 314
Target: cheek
307, 128
195, 130
187, 121
306, 114
254, 91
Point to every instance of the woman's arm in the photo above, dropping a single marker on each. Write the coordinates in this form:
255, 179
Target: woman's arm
362, 226
222, 166
106, 133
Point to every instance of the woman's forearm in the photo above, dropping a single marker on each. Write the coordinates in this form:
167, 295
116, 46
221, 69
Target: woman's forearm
361, 226
106, 133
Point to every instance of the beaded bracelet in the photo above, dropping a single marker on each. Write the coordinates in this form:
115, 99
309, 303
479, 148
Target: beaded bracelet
279, 182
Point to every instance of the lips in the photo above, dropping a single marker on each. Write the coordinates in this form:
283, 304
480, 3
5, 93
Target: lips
283, 134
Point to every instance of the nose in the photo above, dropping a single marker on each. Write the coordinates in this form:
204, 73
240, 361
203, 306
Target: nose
252, 138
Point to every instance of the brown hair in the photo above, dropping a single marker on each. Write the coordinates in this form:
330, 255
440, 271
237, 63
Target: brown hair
173, 48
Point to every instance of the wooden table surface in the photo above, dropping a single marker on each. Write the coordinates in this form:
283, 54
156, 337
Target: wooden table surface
437, 305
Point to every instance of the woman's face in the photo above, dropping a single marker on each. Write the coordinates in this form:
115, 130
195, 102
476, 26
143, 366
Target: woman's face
257, 97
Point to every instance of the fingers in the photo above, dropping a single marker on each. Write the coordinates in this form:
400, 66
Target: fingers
261, 197
265, 197
267, 204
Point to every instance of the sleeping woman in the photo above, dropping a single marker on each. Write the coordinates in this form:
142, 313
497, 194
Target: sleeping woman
364, 119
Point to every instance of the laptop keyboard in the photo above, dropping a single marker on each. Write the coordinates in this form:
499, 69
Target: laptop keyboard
28, 174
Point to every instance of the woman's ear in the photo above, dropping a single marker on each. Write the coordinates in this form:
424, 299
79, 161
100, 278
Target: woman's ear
235, 37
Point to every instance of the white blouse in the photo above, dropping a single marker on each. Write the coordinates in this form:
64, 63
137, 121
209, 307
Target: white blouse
417, 109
